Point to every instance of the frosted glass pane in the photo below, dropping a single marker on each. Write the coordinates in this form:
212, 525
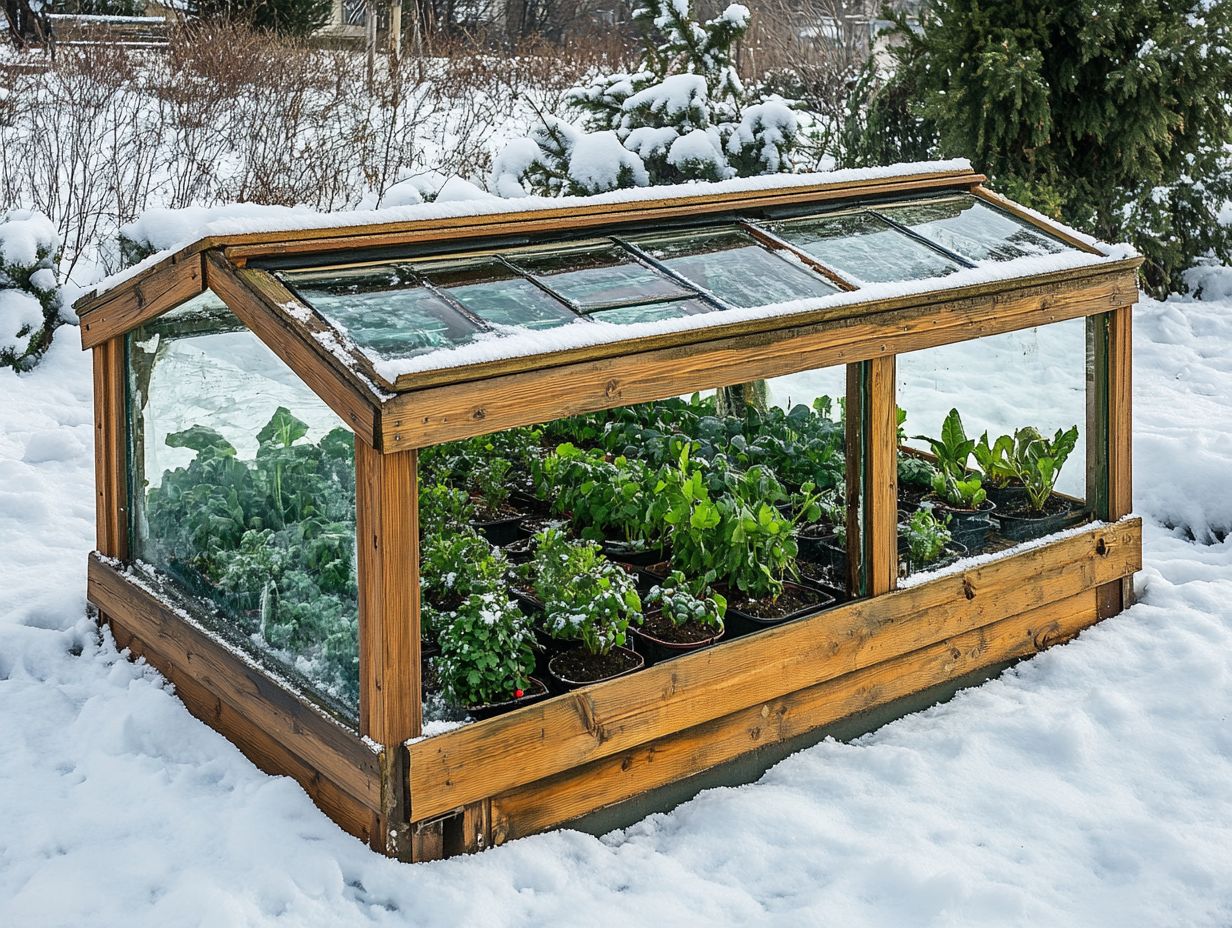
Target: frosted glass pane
598, 277
733, 266
974, 230
498, 296
651, 312
865, 247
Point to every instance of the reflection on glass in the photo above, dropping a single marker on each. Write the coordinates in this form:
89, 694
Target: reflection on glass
651, 312
974, 229
732, 265
244, 494
384, 310
499, 296
865, 247
601, 276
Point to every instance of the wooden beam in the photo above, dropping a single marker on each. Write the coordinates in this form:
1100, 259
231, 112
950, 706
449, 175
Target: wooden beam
490, 758
231, 694
450, 412
569, 795
110, 451
146, 297
355, 402
879, 415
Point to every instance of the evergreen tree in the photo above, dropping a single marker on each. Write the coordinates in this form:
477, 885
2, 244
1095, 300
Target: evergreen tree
683, 115
286, 17
1114, 116
30, 294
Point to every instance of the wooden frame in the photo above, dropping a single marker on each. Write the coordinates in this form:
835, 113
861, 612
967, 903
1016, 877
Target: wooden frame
543, 765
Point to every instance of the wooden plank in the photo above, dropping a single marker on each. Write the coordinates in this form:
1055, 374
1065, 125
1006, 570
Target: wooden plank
386, 499
556, 800
580, 216
451, 412
853, 463
182, 651
356, 403
148, 296
1048, 284
880, 537
1033, 219
495, 756
110, 452
1120, 413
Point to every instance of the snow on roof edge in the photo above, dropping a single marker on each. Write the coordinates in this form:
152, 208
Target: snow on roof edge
265, 219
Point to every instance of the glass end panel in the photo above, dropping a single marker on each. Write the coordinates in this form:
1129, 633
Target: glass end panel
975, 230
865, 247
384, 310
596, 277
243, 490
733, 266
497, 295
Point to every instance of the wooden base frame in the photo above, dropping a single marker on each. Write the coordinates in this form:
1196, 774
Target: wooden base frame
550, 763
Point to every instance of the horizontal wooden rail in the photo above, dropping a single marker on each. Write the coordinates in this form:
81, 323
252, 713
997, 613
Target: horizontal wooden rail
220, 685
859, 333
488, 759
577, 792
153, 294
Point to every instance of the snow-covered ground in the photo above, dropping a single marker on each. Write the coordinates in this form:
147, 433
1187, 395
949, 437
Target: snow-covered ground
1088, 786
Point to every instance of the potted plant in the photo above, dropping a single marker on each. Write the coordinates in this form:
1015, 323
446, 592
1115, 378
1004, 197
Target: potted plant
453, 566
824, 539
925, 542
680, 617
587, 603
487, 656
1036, 462
1000, 481
956, 491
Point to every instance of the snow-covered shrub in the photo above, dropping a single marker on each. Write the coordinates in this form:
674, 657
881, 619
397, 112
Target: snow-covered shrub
683, 115
29, 290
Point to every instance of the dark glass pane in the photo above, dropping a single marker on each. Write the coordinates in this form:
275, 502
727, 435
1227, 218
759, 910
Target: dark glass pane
865, 247
384, 310
499, 296
651, 312
733, 266
603, 276
974, 230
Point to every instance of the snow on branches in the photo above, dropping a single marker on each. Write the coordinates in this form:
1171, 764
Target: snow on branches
682, 116
29, 291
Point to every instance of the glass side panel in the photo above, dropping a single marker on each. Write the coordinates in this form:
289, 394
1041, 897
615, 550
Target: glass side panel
865, 247
974, 229
243, 488
600, 276
651, 312
384, 310
733, 266
1025, 391
497, 295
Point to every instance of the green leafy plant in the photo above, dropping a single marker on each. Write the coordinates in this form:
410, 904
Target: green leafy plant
456, 565
586, 598
967, 493
953, 483
683, 602
487, 651
606, 499
995, 460
443, 508
1037, 461
924, 535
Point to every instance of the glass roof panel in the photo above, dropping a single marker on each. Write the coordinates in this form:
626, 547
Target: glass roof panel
383, 310
599, 276
865, 247
497, 295
733, 266
973, 229
651, 312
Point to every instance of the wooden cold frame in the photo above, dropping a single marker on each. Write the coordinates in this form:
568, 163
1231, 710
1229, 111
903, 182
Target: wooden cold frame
546, 764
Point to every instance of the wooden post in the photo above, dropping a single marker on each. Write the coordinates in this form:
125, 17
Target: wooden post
1110, 432
110, 451
390, 706
872, 476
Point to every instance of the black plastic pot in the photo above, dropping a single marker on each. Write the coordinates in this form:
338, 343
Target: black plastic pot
949, 554
824, 550
626, 553
632, 661
655, 649
1024, 527
501, 531
744, 623
1009, 497
539, 691
968, 527
832, 583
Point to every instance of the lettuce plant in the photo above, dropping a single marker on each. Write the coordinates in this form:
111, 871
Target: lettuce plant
1037, 461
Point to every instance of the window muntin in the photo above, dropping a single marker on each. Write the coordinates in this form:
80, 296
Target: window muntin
496, 294
599, 277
